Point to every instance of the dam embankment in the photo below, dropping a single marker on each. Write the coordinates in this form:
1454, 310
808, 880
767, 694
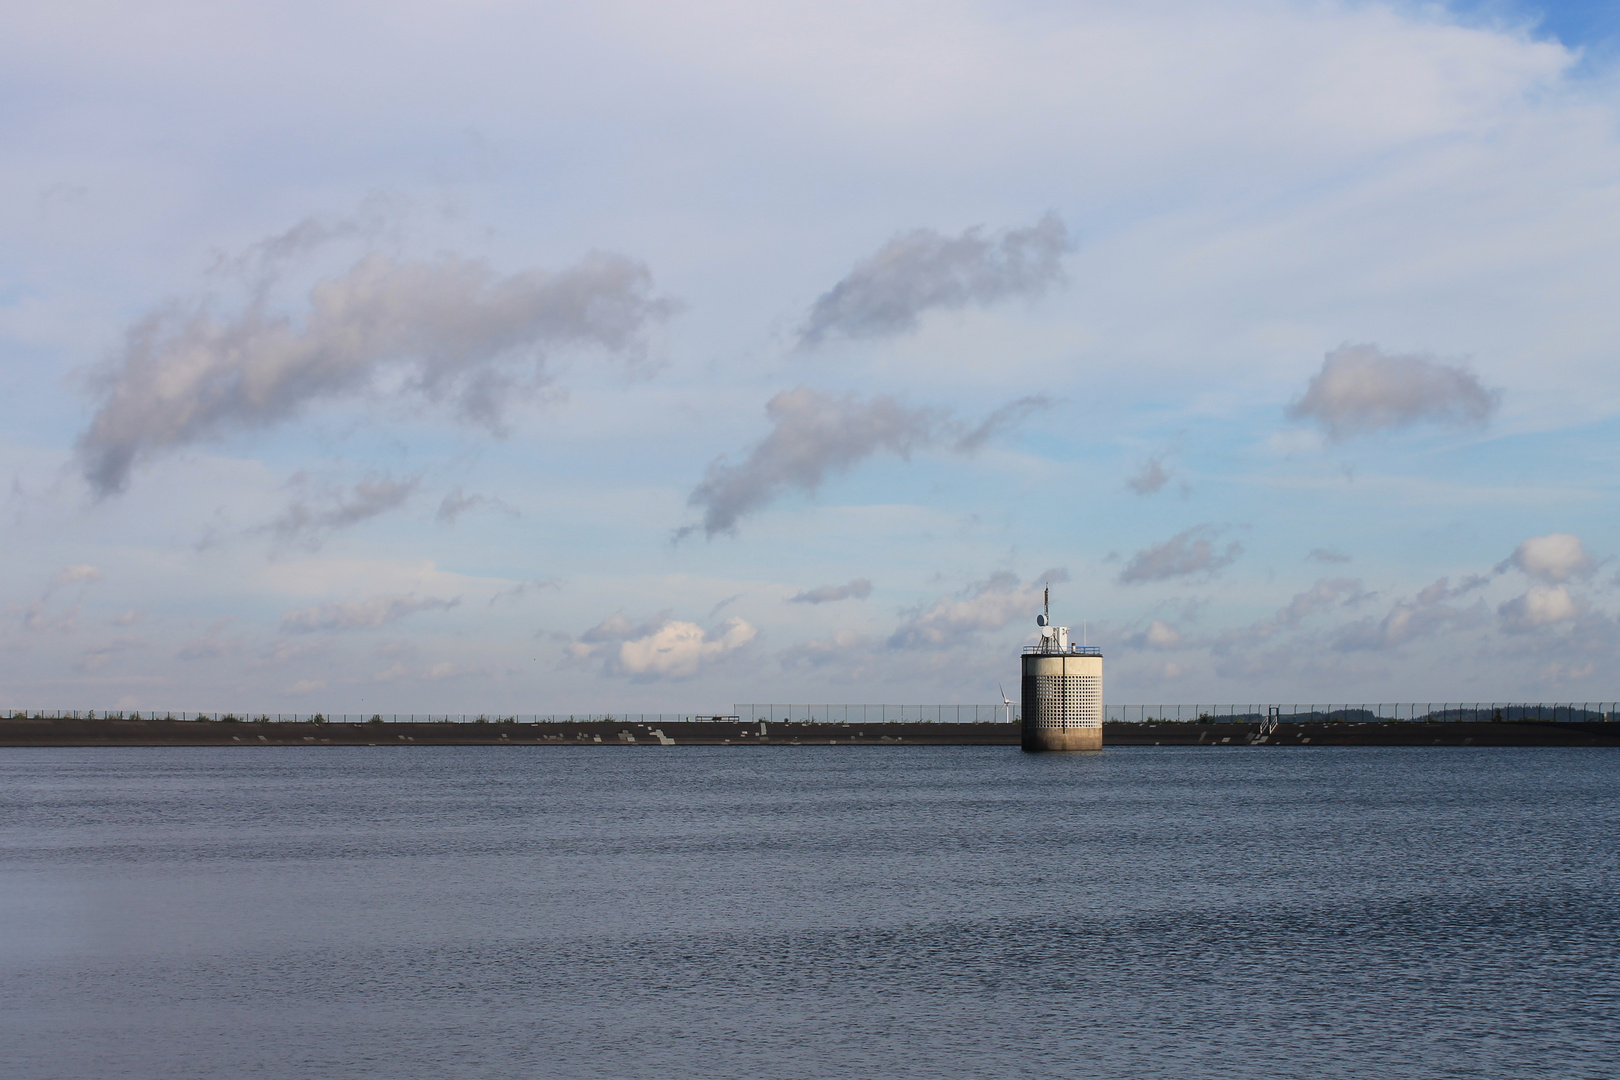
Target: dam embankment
101, 732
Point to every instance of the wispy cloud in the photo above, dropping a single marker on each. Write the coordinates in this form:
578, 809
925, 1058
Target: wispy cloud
986, 605
457, 502
74, 575
1150, 476
1188, 553
1327, 555
815, 435
451, 329
309, 516
99, 656
1362, 389
1426, 613
859, 589
922, 270
522, 588
1001, 420
367, 614
1324, 594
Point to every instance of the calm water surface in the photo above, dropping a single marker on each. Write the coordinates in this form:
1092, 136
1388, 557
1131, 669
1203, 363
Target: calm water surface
798, 912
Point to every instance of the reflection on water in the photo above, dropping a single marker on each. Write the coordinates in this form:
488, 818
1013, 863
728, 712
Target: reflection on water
848, 912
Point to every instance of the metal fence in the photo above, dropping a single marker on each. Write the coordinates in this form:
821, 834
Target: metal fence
878, 714
1388, 712
1433, 712
1430, 712
247, 717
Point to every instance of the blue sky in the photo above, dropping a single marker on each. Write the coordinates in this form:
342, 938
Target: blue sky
486, 357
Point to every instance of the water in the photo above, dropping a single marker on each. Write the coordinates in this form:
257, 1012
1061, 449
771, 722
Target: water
835, 912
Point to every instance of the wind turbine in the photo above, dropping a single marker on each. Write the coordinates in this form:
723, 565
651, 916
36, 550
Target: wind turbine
1005, 700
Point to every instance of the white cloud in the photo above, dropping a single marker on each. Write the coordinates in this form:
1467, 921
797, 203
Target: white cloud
660, 648
678, 649
1362, 389
1542, 606
1552, 558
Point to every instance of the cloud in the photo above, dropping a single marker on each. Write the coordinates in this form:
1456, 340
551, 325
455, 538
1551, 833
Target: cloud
522, 587
1159, 635
1150, 476
1322, 595
1325, 593
1006, 418
845, 647
723, 604
1186, 553
1327, 555
1424, 614
205, 649
859, 589
72, 575
449, 330
921, 271
377, 215
1552, 558
1542, 606
661, 648
306, 518
98, 657
815, 435
368, 614
1361, 389
986, 605
457, 502
447, 670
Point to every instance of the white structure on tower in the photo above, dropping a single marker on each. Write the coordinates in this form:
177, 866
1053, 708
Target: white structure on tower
1063, 690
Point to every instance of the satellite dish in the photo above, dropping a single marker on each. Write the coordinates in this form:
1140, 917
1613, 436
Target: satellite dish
1040, 620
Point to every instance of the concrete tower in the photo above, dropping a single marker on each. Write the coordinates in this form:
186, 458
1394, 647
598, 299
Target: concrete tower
1063, 691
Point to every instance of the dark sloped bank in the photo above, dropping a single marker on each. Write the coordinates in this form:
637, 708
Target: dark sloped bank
1394, 733
43, 732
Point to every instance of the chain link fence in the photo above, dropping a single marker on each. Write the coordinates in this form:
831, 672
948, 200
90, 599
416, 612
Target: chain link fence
362, 718
1387, 712
1422, 712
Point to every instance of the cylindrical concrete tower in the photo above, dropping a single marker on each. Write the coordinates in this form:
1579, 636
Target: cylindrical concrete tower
1063, 693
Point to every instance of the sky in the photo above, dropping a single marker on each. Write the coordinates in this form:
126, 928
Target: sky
430, 357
